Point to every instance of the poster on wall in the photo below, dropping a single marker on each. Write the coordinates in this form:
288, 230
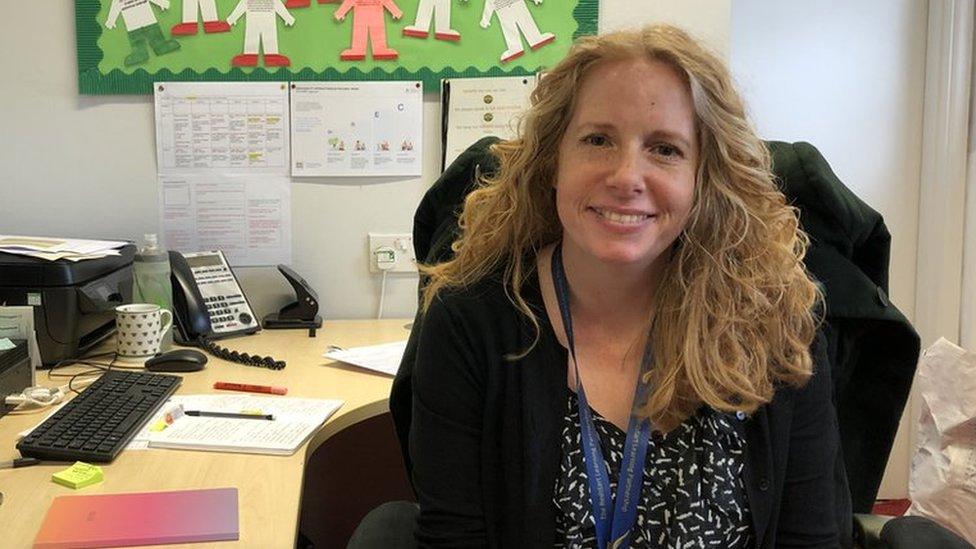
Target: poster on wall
222, 169
480, 107
236, 127
356, 128
246, 217
126, 45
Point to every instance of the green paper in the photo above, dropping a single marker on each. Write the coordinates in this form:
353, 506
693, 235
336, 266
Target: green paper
313, 45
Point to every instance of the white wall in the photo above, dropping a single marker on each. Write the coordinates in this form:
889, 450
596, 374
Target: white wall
707, 20
848, 77
85, 166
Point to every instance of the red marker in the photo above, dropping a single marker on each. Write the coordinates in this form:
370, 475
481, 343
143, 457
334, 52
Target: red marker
250, 388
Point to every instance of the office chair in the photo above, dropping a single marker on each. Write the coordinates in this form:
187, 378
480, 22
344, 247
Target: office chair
872, 347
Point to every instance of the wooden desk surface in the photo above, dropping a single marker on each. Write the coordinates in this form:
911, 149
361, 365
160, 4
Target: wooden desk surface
269, 486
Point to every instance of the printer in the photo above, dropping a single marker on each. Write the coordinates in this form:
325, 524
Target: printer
74, 302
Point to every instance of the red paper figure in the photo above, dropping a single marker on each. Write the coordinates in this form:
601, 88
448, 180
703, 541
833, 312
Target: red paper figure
368, 24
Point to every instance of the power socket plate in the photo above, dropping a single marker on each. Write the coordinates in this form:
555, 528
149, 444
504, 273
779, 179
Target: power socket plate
402, 245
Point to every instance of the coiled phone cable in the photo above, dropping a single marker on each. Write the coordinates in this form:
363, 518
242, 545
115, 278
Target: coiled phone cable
241, 358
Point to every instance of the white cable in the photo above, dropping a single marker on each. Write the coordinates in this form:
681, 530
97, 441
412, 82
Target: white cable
44, 396
379, 313
385, 260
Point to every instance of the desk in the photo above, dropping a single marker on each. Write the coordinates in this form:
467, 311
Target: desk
269, 486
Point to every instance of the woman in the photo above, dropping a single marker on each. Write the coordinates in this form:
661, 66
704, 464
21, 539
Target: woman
619, 352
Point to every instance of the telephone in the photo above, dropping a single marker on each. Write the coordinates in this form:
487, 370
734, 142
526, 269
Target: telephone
208, 304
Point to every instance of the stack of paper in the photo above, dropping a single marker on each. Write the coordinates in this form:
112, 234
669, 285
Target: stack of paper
295, 419
52, 249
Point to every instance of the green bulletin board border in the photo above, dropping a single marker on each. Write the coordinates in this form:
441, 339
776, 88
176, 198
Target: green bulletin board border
92, 82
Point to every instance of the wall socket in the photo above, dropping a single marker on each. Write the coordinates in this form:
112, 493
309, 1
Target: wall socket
402, 256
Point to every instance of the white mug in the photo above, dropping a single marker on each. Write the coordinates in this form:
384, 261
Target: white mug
140, 328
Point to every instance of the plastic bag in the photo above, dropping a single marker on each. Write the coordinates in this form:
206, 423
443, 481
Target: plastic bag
943, 475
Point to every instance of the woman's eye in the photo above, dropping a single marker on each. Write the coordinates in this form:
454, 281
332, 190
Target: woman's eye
596, 140
667, 150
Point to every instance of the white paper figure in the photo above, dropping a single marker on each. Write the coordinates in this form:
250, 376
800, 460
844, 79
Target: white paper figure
211, 23
440, 10
143, 29
261, 30
515, 17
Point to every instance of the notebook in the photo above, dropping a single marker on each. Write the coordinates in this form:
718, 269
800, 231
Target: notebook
295, 419
143, 518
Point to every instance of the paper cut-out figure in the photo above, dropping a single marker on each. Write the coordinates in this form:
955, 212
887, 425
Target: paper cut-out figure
261, 30
211, 23
440, 10
141, 24
514, 16
368, 24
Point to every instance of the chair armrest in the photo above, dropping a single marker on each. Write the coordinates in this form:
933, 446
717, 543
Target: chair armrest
920, 533
867, 531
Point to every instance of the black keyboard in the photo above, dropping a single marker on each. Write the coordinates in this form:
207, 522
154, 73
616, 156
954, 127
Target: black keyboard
97, 424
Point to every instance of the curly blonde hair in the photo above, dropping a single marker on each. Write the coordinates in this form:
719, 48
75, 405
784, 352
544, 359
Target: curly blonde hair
735, 308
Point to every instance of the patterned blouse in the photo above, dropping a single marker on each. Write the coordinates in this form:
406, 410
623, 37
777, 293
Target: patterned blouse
693, 494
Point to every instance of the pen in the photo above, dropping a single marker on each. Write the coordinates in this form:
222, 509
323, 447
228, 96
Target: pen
250, 388
199, 413
19, 462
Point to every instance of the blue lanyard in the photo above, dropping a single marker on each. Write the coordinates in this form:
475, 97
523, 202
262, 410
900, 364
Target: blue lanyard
614, 519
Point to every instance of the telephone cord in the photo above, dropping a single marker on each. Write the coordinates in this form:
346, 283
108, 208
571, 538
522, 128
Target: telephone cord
241, 358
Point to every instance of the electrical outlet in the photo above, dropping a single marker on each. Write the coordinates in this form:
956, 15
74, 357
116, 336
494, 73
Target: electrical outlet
401, 244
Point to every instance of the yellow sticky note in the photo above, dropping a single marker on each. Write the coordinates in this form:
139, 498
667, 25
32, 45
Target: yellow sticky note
79, 475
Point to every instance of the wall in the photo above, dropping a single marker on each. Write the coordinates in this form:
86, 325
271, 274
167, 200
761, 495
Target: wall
85, 166
847, 77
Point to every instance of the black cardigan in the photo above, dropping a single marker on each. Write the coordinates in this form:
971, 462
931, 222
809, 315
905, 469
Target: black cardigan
484, 439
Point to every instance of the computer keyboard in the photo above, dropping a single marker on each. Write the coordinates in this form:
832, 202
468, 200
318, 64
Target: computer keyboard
97, 424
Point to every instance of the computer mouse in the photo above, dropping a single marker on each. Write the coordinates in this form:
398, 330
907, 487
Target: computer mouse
179, 360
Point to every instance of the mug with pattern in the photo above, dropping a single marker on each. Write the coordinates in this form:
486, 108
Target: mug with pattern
140, 328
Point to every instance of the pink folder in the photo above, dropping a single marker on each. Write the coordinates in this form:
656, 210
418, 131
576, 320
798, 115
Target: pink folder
146, 518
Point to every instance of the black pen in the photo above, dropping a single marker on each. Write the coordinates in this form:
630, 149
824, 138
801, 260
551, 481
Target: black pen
19, 462
198, 413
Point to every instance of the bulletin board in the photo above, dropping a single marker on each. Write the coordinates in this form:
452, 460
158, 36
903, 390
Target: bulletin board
126, 45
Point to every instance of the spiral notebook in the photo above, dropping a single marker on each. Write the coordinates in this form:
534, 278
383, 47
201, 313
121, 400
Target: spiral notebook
295, 420
140, 518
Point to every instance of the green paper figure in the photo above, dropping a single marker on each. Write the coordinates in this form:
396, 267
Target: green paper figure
143, 29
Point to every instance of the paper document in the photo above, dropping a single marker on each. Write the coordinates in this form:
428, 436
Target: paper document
247, 217
479, 107
295, 419
222, 169
231, 127
356, 128
383, 358
52, 248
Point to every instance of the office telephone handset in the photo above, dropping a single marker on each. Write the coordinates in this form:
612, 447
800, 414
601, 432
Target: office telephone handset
209, 304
